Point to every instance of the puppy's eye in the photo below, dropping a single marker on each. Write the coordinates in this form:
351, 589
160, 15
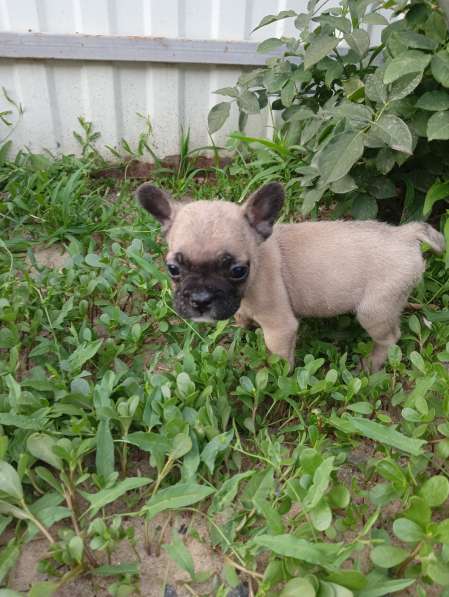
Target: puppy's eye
173, 270
239, 272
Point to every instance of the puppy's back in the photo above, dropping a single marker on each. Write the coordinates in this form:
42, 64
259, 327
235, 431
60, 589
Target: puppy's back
329, 267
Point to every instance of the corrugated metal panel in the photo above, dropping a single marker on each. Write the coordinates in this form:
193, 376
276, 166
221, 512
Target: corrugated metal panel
112, 95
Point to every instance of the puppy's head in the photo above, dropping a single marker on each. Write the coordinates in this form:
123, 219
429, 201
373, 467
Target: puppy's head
212, 247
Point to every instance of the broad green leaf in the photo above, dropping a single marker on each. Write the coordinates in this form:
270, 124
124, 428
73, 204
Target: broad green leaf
334, 72
435, 491
356, 114
180, 554
346, 184
273, 518
341, 23
184, 384
358, 41
45, 588
319, 47
10, 593
218, 444
288, 93
8, 558
411, 39
434, 101
217, 116
394, 132
361, 408
10, 481
48, 517
354, 90
180, 495
330, 589
228, 91
418, 511
298, 587
438, 191
386, 435
353, 579
442, 531
406, 63
15, 391
388, 556
440, 67
41, 446
339, 497
274, 80
273, 18
182, 444
94, 260
105, 458
383, 586
417, 361
22, 421
105, 496
149, 441
320, 484
191, 460
364, 207
248, 102
79, 386
76, 548
320, 554
117, 569
375, 88
321, 516
375, 18
404, 86
227, 492
339, 155
81, 355
310, 198
438, 572
269, 45
438, 126
11, 510
408, 531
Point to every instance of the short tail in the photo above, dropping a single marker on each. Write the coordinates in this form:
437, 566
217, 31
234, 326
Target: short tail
425, 233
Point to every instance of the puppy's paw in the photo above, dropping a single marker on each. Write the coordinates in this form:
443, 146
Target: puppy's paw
244, 322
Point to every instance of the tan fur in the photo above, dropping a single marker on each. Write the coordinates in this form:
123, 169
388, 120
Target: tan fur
312, 269
323, 269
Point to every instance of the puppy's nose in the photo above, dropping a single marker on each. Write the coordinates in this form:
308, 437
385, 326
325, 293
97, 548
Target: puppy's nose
201, 299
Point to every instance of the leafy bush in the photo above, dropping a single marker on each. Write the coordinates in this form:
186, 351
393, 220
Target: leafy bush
350, 113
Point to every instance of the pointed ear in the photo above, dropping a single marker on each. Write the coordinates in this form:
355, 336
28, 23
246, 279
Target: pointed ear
158, 203
263, 206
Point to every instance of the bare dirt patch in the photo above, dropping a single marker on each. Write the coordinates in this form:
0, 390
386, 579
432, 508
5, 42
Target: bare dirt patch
159, 574
53, 257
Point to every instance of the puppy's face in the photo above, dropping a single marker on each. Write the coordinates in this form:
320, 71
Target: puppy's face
212, 247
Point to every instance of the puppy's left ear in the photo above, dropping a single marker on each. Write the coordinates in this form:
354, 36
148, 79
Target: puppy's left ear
158, 203
263, 207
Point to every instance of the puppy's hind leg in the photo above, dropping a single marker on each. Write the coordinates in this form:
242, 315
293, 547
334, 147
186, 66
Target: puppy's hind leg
384, 329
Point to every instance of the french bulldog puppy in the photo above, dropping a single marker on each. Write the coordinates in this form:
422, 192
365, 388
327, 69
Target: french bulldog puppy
226, 259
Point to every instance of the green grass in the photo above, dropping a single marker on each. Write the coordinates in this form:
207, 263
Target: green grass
323, 482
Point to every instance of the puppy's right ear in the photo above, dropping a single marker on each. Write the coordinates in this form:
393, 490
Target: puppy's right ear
158, 203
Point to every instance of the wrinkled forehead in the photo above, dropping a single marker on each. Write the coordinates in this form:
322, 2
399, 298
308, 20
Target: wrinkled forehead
206, 231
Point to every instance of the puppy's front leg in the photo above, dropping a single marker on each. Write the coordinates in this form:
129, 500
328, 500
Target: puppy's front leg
280, 337
244, 321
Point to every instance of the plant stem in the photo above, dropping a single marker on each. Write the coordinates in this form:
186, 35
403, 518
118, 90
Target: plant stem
400, 571
70, 575
36, 521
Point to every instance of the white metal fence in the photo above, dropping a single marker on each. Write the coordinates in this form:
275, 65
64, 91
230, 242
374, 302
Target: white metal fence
110, 60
